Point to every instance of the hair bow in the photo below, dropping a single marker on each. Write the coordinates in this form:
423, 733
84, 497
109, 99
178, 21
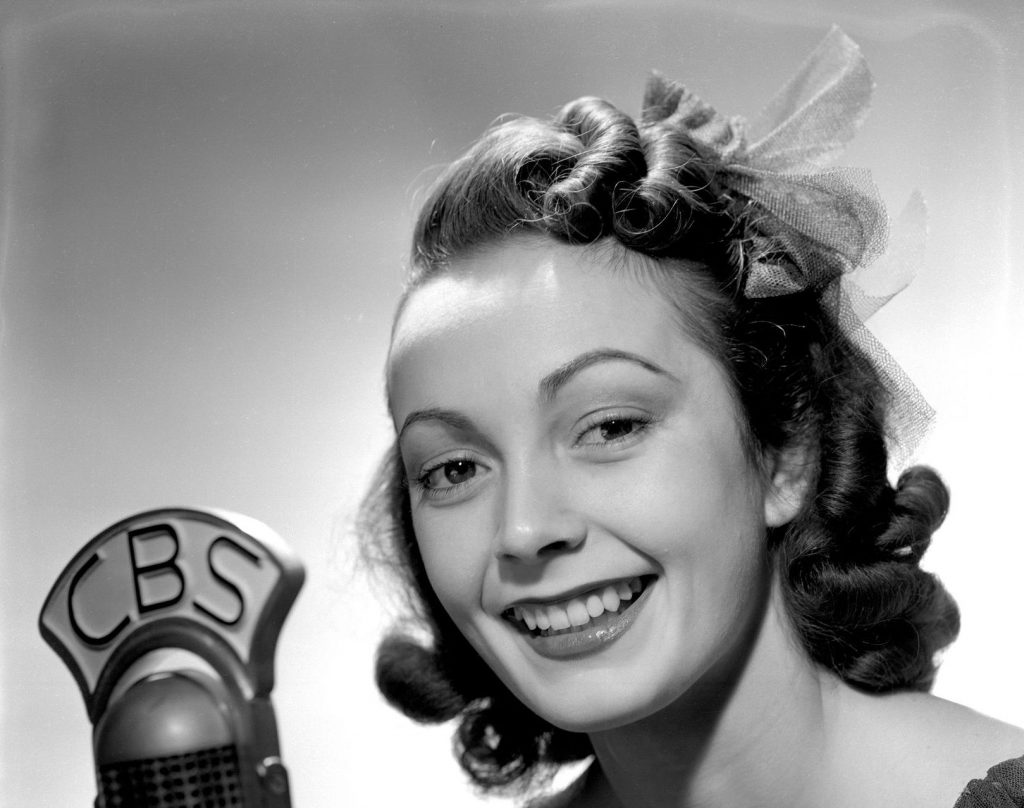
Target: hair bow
807, 225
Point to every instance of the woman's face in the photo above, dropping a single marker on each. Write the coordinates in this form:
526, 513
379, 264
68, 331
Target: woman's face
579, 488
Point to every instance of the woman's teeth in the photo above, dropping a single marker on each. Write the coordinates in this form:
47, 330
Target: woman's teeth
578, 611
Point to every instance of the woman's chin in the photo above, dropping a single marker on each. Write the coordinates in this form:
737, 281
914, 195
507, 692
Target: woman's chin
588, 711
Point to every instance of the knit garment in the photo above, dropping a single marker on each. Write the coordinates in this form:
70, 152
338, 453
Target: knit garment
1002, 788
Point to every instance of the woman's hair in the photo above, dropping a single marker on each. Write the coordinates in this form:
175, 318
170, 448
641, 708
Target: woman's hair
848, 563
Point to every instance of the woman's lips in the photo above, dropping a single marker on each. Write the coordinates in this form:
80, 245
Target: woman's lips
582, 623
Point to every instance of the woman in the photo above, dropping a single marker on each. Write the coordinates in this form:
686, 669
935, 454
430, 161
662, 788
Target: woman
639, 491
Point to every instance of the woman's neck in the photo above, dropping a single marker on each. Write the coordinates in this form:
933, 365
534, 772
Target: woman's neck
756, 732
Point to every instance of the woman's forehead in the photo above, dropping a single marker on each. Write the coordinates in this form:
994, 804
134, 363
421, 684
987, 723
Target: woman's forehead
525, 282
511, 314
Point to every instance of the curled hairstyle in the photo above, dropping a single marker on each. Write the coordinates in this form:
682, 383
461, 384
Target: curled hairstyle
848, 563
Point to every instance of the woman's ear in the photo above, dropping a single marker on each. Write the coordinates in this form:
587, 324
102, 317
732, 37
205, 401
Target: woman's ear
789, 484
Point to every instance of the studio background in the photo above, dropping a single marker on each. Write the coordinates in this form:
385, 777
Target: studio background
205, 216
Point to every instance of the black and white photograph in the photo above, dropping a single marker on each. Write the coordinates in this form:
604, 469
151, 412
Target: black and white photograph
549, 403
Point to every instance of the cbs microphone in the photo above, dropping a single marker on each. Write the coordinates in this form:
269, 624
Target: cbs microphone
168, 621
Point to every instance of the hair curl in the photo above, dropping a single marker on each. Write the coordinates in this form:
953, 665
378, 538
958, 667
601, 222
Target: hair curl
848, 563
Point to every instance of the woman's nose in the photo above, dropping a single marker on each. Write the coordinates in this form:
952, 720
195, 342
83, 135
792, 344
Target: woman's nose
538, 520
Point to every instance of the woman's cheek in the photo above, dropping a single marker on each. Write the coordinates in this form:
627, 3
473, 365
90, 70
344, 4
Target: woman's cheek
455, 554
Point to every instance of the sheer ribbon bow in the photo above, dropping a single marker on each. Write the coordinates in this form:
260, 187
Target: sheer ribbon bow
808, 225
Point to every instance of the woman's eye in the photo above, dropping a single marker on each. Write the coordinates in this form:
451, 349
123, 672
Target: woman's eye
617, 428
612, 430
448, 474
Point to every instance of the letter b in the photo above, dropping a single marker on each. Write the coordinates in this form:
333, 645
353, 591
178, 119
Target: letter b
151, 579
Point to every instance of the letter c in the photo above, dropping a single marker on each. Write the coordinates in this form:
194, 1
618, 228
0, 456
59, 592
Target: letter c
89, 639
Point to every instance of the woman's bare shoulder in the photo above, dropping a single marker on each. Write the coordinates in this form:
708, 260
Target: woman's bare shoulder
936, 746
945, 731
990, 741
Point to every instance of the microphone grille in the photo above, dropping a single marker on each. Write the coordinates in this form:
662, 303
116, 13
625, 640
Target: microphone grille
206, 778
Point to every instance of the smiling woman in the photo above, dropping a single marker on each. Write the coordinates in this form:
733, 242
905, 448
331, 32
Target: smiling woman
586, 453
639, 492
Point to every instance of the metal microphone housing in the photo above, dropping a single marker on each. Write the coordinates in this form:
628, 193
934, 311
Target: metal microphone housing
169, 740
169, 622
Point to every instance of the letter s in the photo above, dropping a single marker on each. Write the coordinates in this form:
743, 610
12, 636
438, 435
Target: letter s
228, 584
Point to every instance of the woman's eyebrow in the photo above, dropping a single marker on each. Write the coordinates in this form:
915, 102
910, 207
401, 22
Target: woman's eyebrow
454, 419
550, 384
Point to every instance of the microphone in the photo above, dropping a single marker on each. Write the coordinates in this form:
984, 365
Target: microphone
168, 621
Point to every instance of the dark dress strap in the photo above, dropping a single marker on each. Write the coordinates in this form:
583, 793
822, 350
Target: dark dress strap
1002, 788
